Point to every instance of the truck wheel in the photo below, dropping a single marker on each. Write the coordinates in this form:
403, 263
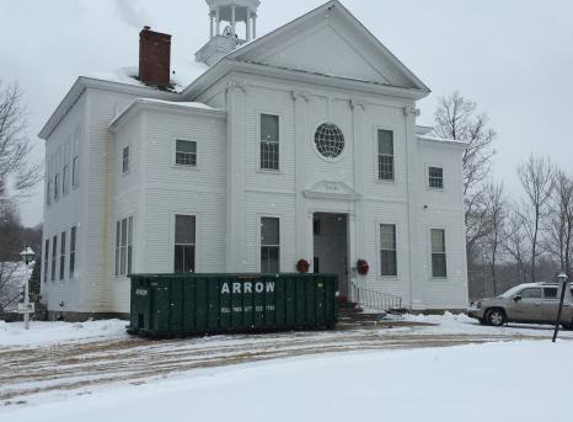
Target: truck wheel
496, 317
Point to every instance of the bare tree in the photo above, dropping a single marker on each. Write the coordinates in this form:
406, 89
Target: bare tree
536, 176
516, 244
497, 216
17, 174
560, 222
457, 118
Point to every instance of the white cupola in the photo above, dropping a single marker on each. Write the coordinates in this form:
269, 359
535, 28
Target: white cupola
227, 20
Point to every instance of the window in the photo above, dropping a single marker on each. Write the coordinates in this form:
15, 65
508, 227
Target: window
269, 142
436, 178
73, 234
329, 140
550, 292
439, 269
46, 259
125, 160
270, 245
388, 258
124, 246
75, 172
65, 180
186, 153
49, 193
57, 187
531, 293
185, 232
63, 255
385, 155
54, 256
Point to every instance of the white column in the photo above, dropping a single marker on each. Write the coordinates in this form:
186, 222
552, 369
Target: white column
218, 18
248, 24
302, 223
211, 25
236, 213
233, 20
254, 25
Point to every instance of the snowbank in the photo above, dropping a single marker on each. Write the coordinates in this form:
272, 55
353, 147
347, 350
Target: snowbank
43, 333
469, 383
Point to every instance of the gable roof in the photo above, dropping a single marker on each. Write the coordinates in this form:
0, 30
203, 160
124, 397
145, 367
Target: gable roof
258, 48
295, 46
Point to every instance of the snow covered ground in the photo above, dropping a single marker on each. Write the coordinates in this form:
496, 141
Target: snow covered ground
501, 381
403, 369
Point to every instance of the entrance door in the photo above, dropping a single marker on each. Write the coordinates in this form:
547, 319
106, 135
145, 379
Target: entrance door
331, 247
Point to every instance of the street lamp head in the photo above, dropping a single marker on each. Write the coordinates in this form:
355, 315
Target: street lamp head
27, 254
562, 277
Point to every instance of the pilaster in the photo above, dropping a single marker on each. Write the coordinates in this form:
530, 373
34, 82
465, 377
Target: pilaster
236, 138
302, 223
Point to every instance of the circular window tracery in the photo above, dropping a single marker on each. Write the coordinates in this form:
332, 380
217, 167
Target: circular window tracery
329, 140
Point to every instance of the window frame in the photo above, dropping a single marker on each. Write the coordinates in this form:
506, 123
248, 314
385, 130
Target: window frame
444, 253
46, 258
379, 155
125, 160
73, 245
63, 239
381, 250
124, 235
54, 258
263, 142
175, 153
184, 245
429, 178
57, 187
269, 247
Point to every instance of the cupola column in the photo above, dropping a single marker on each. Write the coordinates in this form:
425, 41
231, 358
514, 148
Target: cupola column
211, 24
248, 24
254, 25
233, 20
218, 18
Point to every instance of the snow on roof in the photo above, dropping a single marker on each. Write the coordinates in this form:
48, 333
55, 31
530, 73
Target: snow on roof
430, 135
184, 72
176, 103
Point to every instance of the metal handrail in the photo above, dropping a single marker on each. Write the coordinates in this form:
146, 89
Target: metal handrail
376, 300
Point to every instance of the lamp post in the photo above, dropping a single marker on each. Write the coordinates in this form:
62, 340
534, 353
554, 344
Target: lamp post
27, 256
563, 279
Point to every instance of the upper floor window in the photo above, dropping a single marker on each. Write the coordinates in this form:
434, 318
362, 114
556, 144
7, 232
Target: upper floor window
439, 266
125, 160
46, 259
185, 238
270, 245
329, 140
66, 179
385, 155
57, 187
49, 193
269, 142
186, 153
76, 171
54, 257
436, 178
388, 258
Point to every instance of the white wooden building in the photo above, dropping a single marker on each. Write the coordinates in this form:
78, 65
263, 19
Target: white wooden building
301, 144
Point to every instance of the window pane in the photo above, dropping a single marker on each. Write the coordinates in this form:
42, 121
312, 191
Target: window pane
388, 237
187, 146
185, 229
274, 266
534, 293
388, 263
124, 232
550, 293
438, 241
269, 128
436, 177
386, 142
439, 265
385, 167
269, 155
270, 231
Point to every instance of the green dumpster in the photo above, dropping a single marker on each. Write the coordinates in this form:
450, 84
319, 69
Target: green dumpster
165, 305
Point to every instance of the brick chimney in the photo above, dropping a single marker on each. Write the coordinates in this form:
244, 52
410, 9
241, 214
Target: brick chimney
154, 58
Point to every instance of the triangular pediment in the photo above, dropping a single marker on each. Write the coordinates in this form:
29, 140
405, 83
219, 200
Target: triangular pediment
331, 190
330, 41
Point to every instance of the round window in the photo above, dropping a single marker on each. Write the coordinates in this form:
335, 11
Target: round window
329, 140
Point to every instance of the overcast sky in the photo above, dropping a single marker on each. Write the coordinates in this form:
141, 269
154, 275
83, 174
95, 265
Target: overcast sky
513, 57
